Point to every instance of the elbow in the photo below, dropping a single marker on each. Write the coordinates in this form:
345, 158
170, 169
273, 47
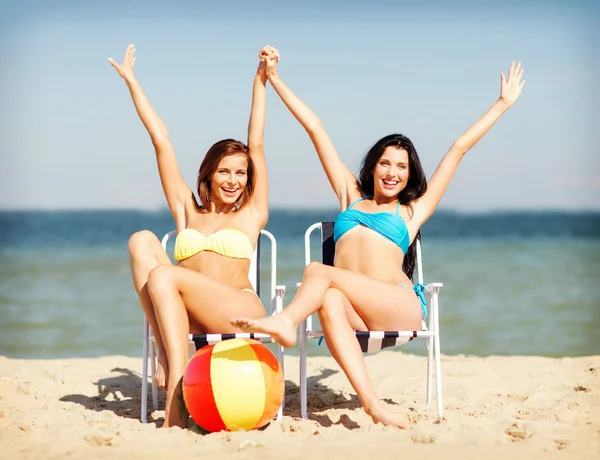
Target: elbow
256, 145
256, 141
459, 148
160, 138
314, 127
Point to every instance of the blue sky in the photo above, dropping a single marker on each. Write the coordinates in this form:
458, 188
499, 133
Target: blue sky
70, 138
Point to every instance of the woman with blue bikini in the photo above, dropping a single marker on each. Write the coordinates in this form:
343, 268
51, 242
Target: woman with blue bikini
370, 286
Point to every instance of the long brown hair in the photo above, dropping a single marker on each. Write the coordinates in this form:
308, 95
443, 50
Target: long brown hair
211, 161
415, 187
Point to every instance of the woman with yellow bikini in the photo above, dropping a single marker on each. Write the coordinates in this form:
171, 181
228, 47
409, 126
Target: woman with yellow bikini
370, 286
215, 239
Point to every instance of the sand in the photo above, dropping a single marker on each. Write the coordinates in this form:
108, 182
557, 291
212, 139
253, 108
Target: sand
495, 407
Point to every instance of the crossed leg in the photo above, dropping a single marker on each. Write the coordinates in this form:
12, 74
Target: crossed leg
355, 302
183, 298
146, 253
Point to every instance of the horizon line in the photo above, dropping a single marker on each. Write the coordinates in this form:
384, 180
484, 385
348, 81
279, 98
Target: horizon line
314, 209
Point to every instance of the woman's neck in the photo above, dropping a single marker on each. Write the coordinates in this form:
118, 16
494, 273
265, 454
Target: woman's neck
220, 208
380, 200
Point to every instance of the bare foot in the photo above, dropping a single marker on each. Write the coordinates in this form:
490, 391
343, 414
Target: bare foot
162, 371
280, 327
380, 414
176, 413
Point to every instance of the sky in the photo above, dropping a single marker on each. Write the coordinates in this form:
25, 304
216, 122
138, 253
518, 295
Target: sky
70, 137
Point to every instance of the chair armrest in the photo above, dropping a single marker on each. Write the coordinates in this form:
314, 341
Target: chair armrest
279, 295
433, 288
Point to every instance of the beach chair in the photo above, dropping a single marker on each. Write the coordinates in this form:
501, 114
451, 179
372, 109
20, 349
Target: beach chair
372, 341
197, 341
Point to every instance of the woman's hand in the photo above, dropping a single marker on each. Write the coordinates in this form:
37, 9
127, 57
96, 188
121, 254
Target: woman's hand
269, 57
126, 69
510, 89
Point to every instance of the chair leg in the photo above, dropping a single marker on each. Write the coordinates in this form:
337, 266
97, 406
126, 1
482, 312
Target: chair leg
430, 346
153, 369
303, 376
279, 355
144, 408
438, 364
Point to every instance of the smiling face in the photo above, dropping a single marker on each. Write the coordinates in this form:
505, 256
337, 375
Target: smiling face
391, 172
229, 180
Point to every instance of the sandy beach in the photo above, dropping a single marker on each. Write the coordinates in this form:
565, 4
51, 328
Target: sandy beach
497, 407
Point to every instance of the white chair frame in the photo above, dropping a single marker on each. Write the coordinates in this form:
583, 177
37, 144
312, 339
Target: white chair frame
277, 293
429, 330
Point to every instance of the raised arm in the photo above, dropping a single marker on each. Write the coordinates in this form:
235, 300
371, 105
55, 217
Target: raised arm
256, 138
510, 90
176, 190
341, 179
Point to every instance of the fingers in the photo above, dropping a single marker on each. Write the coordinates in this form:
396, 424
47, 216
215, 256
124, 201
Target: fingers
129, 55
128, 60
515, 73
274, 53
269, 51
511, 71
519, 72
264, 51
112, 62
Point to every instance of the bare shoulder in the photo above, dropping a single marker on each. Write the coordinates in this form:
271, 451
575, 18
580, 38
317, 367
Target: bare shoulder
250, 221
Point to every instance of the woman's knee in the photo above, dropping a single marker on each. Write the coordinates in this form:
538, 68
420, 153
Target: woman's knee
315, 269
160, 279
140, 242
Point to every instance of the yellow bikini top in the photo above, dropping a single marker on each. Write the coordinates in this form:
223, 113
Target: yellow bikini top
228, 242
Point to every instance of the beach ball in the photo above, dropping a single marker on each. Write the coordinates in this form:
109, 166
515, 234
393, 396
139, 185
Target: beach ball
235, 384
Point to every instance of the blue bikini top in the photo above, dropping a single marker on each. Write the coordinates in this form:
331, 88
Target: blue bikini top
387, 224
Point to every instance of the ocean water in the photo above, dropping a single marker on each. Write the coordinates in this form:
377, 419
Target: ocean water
514, 283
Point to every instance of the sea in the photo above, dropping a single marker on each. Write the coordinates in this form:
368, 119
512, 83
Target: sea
515, 283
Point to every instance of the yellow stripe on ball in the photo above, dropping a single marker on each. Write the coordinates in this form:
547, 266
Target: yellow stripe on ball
234, 362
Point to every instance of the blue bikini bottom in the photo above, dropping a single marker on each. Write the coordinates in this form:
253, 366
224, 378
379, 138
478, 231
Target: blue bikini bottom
419, 289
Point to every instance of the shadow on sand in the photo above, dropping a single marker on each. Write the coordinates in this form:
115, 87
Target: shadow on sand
120, 393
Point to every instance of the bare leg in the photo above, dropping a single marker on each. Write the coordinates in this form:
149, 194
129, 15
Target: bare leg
358, 302
382, 306
146, 253
339, 321
182, 297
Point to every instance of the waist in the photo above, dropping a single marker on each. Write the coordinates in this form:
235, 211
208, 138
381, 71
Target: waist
232, 272
370, 260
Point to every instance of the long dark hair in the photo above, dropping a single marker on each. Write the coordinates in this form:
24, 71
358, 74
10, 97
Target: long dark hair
211, 161
416, 185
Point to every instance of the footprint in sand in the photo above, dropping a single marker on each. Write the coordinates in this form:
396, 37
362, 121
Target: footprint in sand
518, 432
423, 438
513, 398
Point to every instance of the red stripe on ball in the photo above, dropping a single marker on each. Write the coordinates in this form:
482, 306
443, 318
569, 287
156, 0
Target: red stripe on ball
198, 392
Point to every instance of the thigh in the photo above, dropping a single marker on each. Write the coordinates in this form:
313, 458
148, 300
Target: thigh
211, 304
381, 305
